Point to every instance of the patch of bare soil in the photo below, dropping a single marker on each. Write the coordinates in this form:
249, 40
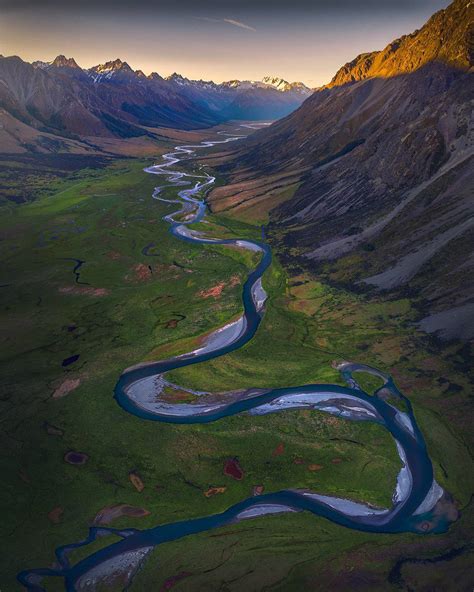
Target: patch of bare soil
110, 513
84, 291
140, 273
55, 516
214, 491
280, 449
214, 292
66, 387
170, 582
114, 255
136, 481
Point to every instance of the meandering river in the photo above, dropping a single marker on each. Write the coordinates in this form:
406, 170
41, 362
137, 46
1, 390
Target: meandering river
419, 503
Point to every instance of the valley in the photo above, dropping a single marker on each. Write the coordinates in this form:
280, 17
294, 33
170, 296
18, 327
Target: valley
297, 449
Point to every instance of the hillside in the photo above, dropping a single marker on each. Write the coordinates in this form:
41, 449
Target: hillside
370, 181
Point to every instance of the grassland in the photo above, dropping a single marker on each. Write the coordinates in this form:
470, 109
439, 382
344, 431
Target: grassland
127, 307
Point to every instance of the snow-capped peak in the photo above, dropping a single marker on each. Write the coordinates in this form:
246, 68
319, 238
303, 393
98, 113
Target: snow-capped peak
285, 86
276, 82
41, 64
112, 66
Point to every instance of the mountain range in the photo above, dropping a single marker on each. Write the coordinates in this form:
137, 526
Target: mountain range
112, 100
370, 182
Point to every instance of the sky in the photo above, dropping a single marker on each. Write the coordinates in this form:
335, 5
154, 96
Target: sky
299, 40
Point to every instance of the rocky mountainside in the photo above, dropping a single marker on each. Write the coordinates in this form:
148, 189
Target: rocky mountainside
44, 101
379, 174
447, 37
112, 100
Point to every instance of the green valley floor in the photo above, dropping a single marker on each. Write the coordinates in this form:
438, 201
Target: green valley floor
92, 282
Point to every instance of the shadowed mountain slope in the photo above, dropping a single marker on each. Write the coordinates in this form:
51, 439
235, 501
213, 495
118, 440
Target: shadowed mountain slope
382, 198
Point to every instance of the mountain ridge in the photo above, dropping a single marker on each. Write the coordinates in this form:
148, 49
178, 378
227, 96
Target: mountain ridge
374, 202
448, 36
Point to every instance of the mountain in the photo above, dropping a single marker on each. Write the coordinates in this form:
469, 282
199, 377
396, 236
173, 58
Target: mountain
44, 101
106, 101
284, 86
113, 100
59, 61
63, 62
114, 69
370, 181
270, 98
447, 37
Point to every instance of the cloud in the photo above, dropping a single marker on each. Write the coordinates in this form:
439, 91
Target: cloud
228, 21
239, 24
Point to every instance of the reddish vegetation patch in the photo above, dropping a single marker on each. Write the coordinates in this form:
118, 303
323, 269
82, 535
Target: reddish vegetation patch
298, 460
114, 255
171, 324
233, 469
258, 489
84, 291
280, 449
141, 272
331, 421
110, 513
409, 383
52, 430
170, 582
336, 461
76, 458
66, 387
56, 514
176, 396
214, 491
214, 292
300, 304
136, 481
314, 467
